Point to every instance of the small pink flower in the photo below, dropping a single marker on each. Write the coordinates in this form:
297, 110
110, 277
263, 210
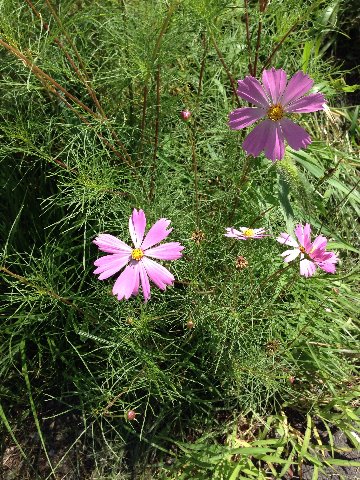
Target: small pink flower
185, 115
137, 262
312, 254
245, 233
274, 100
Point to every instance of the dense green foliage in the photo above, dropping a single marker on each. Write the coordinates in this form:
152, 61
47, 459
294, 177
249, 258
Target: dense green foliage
74, 163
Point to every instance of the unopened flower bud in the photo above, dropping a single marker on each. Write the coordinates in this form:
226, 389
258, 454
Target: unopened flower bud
190, 324
291, 379
131, 415
185, 115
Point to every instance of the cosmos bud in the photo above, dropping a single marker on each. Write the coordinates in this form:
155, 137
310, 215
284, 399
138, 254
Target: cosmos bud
185, 115
131, 415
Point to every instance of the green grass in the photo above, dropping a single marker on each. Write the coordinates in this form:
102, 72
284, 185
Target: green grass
75, 163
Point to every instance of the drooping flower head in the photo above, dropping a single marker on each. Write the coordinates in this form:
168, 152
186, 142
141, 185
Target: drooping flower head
312, 254
274, 100
245, 233
137, 260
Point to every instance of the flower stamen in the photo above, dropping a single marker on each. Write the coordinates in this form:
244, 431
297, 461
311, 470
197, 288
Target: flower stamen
249, 232
275, 112
137, 254
302, 249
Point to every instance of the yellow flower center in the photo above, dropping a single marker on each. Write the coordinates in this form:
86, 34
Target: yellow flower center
302, 249
249, 232
275, 112
137, 254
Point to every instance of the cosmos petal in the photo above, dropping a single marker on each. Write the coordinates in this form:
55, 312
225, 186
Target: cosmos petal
328, 261
274, 82
307, 268
166, 251
110, 264
137, 223
275, 147
303, 235
290, 255
255, 142
137, 280
157, 273
233, 233
287, 239
157, 233
251, 90
295, 135
145, 284
310, 103
110, 244
243, 117
298, 85
319, 245
126, 282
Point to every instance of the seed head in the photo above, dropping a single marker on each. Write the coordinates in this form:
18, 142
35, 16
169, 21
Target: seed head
198, 236
241, 263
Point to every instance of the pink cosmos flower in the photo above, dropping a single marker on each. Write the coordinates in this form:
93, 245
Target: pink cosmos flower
137, 262
274, 100
312, 254
245, 233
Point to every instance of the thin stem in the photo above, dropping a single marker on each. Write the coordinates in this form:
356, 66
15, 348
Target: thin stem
86, 122
52, 294
82, 76
156, 140
55, 86
196, 180
258, 42
244, 176
329, 173
276, 274
248, 43
127, 55
348, 194
230, 77
143, 120
40, 73
152, 61
335, 209
202, 68
270, 57
252, 223
299, 19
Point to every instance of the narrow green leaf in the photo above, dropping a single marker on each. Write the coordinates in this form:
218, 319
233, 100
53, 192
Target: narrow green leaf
307, 436
285, 204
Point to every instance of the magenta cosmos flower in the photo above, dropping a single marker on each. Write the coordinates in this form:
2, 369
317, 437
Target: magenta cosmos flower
245, 233
274, 101
137, 261
312, 254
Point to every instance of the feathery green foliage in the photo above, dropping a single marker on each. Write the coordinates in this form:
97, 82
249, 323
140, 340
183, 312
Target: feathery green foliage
91, 94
